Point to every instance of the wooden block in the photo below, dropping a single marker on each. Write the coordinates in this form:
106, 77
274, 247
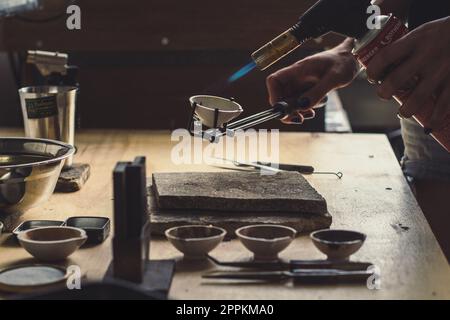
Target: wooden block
10, 221
237, 192
161, 220
74, 178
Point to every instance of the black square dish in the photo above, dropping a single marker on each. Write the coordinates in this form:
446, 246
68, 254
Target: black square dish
97, 228
32, 224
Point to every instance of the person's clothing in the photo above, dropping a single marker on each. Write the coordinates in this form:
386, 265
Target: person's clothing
425, 162
424, 158
433, 198
421, 11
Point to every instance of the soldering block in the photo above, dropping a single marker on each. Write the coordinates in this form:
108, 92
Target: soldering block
237, 192
74, 178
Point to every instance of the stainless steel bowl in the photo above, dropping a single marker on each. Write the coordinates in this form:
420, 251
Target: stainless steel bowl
29, 170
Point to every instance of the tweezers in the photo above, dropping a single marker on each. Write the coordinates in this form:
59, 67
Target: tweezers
297, 265
316, 276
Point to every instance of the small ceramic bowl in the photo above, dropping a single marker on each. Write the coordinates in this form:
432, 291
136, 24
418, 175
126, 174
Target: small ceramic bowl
195, 241
338, 244
266, 240
206, 105
52, 243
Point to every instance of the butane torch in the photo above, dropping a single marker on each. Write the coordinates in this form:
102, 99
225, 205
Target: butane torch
347, 17
350, 18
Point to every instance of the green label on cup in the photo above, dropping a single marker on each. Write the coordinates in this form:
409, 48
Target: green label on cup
43, 107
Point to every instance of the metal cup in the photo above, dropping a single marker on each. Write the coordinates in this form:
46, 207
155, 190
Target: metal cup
49, 113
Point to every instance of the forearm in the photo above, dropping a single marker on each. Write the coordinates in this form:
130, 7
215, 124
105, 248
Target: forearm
345, 46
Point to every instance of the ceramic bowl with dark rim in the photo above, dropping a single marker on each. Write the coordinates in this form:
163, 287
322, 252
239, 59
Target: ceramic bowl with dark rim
52, 243
195, 241
266, 241
338, 244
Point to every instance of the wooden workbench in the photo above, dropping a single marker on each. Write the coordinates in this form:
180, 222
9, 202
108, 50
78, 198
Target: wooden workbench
373, 197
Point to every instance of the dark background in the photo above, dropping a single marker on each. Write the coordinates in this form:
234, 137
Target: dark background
130, 78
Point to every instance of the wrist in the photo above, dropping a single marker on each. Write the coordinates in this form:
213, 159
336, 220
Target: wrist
346, 57
344, 51
345, 47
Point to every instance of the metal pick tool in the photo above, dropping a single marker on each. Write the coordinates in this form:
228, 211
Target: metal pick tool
280, 167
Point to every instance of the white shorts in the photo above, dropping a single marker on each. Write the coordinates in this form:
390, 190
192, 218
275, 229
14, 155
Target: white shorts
424, 158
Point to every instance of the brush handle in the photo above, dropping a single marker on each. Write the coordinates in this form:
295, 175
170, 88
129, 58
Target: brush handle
290, 167
330, 276
326, 264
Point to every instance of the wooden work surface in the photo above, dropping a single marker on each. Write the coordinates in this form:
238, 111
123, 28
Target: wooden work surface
372, 197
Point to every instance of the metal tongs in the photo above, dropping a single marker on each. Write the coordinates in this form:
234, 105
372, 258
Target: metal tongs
278, 111
315, 276
300, 271
295, 264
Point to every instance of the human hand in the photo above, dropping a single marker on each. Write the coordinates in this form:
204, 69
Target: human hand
312, 78
419, 62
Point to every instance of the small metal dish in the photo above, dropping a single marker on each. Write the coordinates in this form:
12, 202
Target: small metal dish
31, 278
33, 224
97, 228
338, 244
214, 111
195, 241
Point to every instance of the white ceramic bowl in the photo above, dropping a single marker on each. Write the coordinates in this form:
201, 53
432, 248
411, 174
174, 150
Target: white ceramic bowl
195, 241
52, 243
206, 105
266, 240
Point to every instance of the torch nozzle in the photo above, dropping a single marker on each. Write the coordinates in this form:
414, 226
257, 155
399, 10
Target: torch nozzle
275, 49
324, 16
